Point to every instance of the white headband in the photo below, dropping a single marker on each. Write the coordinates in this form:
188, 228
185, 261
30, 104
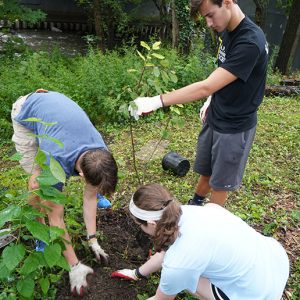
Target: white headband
145, 215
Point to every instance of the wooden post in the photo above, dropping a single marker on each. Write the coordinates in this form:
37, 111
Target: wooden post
17, 24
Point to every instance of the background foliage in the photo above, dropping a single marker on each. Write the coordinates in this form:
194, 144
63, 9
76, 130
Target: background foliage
88, 79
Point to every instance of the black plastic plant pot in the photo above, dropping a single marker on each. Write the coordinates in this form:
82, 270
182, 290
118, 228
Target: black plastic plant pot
175, 163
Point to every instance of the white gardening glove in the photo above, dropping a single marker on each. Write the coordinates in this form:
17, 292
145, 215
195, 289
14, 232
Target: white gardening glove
203, 111
144, 105
77, 276
98, 251
125, 273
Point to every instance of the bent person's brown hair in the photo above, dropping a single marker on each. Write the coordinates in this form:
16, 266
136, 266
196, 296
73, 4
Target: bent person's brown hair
100, 170
153, 197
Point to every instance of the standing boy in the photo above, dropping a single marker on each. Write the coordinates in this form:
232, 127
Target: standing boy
229, 115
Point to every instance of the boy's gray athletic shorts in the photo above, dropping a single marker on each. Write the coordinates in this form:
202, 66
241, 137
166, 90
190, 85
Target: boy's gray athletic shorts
223, 157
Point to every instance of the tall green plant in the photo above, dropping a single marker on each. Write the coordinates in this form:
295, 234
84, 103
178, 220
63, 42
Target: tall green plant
154, 74
20, 266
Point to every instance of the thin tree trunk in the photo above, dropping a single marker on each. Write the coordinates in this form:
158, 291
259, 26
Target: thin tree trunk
261, 12
289, 36
175, 27
296, 42
98, 25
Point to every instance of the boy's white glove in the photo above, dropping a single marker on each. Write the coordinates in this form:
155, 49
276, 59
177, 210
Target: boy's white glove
98, 251
126, 274
77, 276
144, 105
203, 111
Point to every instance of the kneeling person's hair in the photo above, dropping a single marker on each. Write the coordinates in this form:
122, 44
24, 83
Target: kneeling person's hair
100, 170
154, 197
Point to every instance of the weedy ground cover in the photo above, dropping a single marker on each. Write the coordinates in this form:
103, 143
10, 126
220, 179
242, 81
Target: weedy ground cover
268, 198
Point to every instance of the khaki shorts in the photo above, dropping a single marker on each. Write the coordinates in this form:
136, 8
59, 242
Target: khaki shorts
24, 143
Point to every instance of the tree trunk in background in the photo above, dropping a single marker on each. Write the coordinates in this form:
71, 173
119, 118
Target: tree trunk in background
162, 7
98, 25
175, 28
289, 38
296, 42
261, 12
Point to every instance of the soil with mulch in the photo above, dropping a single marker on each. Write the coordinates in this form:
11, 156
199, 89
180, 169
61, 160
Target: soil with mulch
127, 246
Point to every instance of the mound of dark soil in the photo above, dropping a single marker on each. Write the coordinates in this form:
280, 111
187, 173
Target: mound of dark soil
127, 246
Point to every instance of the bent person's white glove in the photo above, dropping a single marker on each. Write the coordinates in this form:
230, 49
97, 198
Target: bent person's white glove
203, 110
144, 105
98, 251
77, 276
126, 274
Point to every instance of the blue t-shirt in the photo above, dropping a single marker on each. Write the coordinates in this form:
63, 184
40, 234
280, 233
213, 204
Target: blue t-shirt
74, 129
219, 246
244, 53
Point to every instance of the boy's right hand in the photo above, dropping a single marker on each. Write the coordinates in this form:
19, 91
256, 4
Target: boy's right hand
144, 106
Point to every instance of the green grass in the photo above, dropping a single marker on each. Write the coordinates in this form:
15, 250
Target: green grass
268, 198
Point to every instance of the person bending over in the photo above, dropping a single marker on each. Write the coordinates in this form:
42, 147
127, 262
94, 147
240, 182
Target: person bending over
84, 154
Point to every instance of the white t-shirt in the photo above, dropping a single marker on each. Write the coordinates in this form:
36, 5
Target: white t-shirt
219, 246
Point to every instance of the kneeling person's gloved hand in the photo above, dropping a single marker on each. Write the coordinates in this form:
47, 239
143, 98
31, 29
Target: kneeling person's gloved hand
77, 276
126, 274
144, 105
129, 274
98, 251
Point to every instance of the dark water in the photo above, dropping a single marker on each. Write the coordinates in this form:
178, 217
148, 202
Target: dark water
69, 43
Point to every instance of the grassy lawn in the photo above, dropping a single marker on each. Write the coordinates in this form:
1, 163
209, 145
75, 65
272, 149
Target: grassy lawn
268, 198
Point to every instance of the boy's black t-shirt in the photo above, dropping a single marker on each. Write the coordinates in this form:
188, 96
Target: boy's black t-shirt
244, 53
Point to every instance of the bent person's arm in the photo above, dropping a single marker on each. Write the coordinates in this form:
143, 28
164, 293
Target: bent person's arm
89, 215
90, 209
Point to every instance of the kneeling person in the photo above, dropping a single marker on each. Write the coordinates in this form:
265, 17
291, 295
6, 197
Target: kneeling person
227, 260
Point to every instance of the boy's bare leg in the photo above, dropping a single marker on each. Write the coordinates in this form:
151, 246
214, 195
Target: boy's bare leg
203, 188
218, 197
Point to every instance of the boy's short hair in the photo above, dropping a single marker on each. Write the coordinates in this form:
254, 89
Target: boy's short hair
100, 170
195, 7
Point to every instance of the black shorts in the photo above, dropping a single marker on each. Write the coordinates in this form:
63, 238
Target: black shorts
223, 157
218, 294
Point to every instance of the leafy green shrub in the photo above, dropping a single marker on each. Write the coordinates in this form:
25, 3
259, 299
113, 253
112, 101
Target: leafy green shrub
98, 82
5, 130
23, 271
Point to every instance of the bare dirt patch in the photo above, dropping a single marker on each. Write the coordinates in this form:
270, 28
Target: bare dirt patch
127, 246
